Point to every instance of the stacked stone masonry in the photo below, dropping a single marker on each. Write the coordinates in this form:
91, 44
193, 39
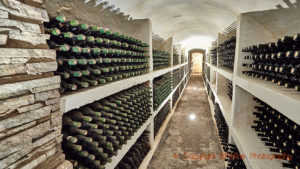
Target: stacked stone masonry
30, 116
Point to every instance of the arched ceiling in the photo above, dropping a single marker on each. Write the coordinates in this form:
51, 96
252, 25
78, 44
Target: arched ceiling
192, 23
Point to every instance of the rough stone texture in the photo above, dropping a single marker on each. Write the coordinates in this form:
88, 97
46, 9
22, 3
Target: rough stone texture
12, 60
31, 155
38, 1
45, 88
47, 138
33, 38
55, 107
56, 121
65, 165
28, 68
24, 118
7, 106
184, 135
3, 14
29, 107
19, 9
14, 143
27, 53
23, 26
16, 129
52, 101
43, 96
10, 90
3, 39
30, 116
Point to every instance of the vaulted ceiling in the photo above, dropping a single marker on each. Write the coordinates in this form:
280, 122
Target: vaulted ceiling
192, 23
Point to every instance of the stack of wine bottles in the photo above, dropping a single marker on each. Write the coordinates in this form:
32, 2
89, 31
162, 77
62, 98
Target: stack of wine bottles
161, 117
229, 93
279, 133
136, 154
222, 126
182, 72
176, 56
95, 132
162, 87
91, 55
213, 56
161, 59
207, 71
176, 77
175, 96
234, 158
182, 59
226, 52
278, 62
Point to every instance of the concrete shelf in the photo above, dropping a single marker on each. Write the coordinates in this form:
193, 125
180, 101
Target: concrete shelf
254, 28
86, 96
121, 153
286, 101
161, 131
125, 148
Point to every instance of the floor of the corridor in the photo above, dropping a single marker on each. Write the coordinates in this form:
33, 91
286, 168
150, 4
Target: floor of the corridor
190, 134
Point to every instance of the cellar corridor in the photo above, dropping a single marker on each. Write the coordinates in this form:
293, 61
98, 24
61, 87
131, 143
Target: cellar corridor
191, 130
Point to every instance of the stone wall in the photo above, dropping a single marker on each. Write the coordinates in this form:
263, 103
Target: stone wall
30, 116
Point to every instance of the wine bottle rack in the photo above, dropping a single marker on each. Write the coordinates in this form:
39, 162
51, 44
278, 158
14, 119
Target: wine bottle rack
176, 95
222, 127
226, 53
277, 62
97, 131
90, 55
213, 56
161, 59
278, 133
135, 156
176, 77
161, 117
162, 87
230, 90
234, 158
255, 40
176, 57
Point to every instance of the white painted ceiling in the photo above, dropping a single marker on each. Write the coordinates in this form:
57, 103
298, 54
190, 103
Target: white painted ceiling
192, 23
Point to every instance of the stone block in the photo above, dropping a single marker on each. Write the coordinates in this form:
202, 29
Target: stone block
45, 88
3, 39
33, 38
43, 96
22, 10
47, 138
16, 129
13, 89
8, 70
65, 165
15, 156
52, 101
3, 14
24, 118
57, 113
9, 105
15, 143
29, 107
5, 61
56, 121
22, 26
42, 67
27, 53
55, 107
